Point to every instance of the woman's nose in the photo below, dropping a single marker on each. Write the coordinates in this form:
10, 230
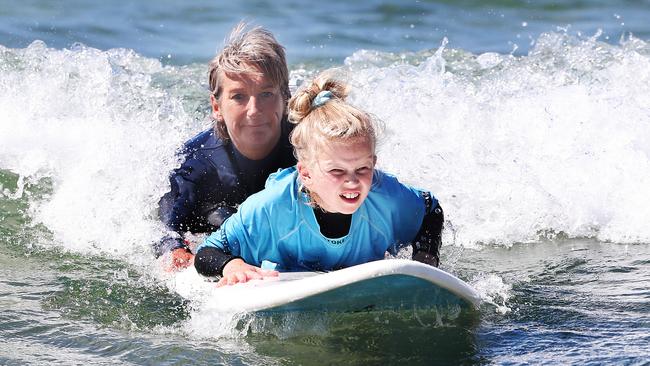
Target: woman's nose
253, 106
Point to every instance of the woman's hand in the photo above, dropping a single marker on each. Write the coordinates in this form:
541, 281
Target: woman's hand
238, 271
178, 259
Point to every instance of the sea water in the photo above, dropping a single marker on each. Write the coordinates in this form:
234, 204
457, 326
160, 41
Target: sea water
529, 121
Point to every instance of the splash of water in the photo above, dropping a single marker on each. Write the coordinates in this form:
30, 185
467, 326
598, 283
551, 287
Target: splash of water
99, 126
515, 148
493, 291
521, 148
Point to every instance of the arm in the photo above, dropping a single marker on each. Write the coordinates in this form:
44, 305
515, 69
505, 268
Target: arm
179, 210
176, 208
223, 252
212, 261
428, 240
198, 200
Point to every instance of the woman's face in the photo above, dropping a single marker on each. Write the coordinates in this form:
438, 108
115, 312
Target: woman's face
340, 175
252, 108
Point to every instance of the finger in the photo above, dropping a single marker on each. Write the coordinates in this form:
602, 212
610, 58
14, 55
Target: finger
232, 279
222, 282
240, 277
253, 275
268, 272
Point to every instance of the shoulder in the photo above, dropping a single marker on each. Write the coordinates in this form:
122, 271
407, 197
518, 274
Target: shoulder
388, 183
403, 206
205, 140
198, 155
200, 150
387, 188
282, 177
280, 191
268, 211
280, 187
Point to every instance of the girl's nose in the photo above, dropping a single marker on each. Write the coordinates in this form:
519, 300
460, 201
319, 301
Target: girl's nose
351, 178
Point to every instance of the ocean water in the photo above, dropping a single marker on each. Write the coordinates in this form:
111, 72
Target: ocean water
530, 121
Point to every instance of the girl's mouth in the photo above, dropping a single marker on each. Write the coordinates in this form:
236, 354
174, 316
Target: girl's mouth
350, 197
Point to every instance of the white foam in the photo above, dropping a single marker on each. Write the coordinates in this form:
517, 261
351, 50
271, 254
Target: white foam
515, 148
520, 148
95, 123
493, 291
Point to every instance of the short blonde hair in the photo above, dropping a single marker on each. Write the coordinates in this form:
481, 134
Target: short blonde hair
253, 51
334, 120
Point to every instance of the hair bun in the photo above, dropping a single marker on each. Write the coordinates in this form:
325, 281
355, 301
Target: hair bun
302, 103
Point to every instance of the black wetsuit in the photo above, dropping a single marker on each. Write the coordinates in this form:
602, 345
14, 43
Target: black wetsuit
211, 183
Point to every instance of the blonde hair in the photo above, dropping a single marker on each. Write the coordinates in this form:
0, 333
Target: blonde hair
332, 121
253, 51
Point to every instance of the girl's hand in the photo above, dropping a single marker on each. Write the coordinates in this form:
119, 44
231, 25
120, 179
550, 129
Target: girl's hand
238, 271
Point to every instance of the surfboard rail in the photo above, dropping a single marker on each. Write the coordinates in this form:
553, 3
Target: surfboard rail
287, 288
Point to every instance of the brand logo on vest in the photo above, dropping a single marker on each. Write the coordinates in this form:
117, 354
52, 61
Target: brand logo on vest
336, 241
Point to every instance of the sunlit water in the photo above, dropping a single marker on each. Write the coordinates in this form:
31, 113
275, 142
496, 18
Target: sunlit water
535, 142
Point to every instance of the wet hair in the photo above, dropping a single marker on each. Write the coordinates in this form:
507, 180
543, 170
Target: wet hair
335, 120
248, 51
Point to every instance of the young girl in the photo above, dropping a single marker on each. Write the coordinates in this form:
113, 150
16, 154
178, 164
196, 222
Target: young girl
333, 210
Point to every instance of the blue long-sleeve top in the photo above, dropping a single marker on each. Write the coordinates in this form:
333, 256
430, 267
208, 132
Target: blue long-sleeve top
278, 228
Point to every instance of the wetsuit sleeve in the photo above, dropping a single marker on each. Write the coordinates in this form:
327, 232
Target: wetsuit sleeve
219, 248
169, 243
210, 261
178, 206
426, 246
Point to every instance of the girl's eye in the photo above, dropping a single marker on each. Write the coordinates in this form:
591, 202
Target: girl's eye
267, 94
363, 170
336, 172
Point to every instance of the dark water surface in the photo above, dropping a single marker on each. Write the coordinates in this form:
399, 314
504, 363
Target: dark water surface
571, 302
323, 33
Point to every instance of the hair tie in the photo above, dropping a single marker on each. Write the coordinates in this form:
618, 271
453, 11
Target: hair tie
322, 98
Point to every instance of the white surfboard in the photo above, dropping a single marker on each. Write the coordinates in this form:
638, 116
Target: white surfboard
393, 284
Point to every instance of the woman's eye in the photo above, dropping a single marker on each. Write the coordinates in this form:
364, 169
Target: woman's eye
267, 94
237, 97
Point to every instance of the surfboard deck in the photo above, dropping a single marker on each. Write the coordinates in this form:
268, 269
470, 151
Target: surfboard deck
393, 284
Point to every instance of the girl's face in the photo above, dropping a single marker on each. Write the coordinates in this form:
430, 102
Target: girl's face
341, 175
